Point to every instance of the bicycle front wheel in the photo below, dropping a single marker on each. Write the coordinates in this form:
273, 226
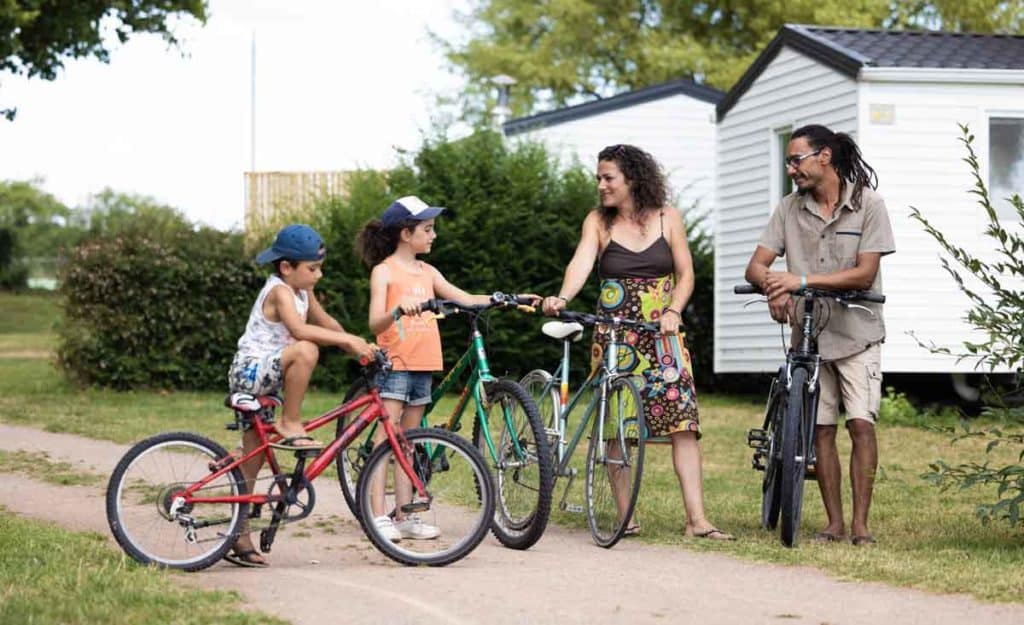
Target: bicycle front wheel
446, 525
151, 522
794, 457
771, 486
615, 462
522, 464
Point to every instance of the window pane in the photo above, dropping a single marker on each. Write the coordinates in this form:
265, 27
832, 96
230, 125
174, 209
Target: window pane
785, 182
1006, 163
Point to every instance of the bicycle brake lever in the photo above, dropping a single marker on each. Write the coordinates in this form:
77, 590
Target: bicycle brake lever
756, 300
849, 305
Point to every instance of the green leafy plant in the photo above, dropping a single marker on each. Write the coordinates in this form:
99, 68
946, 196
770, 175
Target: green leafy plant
996, 313
145, 308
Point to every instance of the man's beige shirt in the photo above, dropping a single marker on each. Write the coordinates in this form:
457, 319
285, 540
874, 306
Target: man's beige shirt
811, 244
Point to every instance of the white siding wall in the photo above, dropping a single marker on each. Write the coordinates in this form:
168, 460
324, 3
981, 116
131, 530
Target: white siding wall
918, 160
678, 130
792, 91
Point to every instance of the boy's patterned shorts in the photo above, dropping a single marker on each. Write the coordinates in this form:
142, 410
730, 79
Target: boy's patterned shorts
259, 375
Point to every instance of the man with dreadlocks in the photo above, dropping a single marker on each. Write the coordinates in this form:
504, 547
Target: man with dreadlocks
833, 230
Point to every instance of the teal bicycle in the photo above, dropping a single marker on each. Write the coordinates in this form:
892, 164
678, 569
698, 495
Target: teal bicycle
507, 429
614, 417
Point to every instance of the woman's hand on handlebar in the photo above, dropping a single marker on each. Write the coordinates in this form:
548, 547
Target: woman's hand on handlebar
669, 322
552, 305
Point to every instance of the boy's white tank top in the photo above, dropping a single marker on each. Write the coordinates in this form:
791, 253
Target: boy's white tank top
263, 336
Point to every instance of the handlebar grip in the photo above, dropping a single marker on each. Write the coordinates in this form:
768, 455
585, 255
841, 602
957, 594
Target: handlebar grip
745, 289
871, 296
431, 305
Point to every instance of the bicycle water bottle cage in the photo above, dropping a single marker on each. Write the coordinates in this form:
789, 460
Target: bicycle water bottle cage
246, 405
563, 330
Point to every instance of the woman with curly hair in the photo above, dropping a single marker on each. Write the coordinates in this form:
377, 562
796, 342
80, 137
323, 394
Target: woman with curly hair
639, 244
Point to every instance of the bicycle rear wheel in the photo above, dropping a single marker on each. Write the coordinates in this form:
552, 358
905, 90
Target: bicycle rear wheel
771, 485
523, 470
148, 519
460, 503
351, 460
615, 462
794, 457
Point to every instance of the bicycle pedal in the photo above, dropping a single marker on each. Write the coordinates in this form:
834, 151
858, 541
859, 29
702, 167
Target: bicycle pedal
573, 507
550, 433
307, 453
756, 438
416, 506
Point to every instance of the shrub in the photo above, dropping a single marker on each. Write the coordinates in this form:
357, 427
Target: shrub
151, 309
996, 314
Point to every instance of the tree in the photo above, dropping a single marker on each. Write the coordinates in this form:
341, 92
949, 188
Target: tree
36, 36
997, 312
562, 51
110, 212
32, 225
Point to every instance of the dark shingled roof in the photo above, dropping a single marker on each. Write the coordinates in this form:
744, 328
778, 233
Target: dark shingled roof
630, 98
847, 50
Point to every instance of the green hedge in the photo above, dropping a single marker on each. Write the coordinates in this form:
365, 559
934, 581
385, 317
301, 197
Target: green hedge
158, 310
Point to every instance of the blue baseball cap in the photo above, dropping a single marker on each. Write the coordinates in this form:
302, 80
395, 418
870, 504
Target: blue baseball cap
408, 207
294, 242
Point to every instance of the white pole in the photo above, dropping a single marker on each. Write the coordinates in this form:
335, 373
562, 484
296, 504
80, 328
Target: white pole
252, 108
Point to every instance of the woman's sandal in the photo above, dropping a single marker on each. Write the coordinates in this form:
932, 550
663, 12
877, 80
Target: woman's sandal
245, 558
288, 444
713, 534
632, 530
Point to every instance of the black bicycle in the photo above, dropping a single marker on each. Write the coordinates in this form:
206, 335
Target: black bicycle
784, 445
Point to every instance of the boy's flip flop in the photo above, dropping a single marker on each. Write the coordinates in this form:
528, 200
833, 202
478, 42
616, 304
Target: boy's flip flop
245, 558
288, 444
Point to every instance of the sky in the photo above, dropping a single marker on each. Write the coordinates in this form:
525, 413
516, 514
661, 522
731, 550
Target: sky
339, 85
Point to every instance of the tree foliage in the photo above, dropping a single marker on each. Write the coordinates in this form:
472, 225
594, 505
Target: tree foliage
997, 313
36, 36
561, 51
31, 224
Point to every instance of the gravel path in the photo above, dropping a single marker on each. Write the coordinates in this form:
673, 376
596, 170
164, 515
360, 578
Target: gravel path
564, 579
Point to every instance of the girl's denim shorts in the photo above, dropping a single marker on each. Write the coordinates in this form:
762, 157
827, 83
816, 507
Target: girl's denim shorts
411, 387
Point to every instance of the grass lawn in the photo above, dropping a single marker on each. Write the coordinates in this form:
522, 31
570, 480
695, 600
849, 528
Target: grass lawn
928, 539
50, 575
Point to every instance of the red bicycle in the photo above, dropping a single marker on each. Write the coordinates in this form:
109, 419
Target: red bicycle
172, 504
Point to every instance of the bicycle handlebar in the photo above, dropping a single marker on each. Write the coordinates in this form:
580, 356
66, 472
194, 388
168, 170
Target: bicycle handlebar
589, 320
444, 307
847, 295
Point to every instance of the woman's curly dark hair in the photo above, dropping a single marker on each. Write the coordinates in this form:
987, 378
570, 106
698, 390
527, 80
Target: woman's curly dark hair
646, 181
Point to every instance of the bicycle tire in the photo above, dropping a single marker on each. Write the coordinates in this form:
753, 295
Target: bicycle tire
625, 433
771, 485
150, 473
350, 461
463, 511
523, 485
794, 458
538, 384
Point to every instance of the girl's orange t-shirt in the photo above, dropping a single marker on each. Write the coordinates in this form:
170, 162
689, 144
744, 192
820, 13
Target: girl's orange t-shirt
418, 346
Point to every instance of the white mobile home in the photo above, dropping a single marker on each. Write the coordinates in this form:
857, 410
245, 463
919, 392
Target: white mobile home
901, 95
674, 121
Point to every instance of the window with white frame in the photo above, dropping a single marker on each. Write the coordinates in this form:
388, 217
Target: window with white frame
783, 184
1005, 163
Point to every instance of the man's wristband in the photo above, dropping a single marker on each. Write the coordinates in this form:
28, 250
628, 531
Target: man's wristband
803, 282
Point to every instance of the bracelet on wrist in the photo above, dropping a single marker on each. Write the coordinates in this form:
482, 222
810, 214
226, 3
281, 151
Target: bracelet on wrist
803, 281
563, 298
673, 310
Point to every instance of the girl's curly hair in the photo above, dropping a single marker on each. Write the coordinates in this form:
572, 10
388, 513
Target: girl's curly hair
646, 181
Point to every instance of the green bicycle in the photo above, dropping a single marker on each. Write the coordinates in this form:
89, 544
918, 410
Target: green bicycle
615, 455
507, 429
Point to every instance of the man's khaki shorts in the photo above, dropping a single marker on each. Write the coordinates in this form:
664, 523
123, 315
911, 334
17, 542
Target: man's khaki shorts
858, 380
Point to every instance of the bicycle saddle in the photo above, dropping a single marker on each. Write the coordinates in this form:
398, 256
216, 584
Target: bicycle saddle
563, 330
247, 402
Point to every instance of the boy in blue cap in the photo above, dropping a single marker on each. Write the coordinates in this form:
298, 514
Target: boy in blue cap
280, 348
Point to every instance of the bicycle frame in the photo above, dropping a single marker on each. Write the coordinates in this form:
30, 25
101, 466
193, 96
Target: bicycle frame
374, 412
598, 380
